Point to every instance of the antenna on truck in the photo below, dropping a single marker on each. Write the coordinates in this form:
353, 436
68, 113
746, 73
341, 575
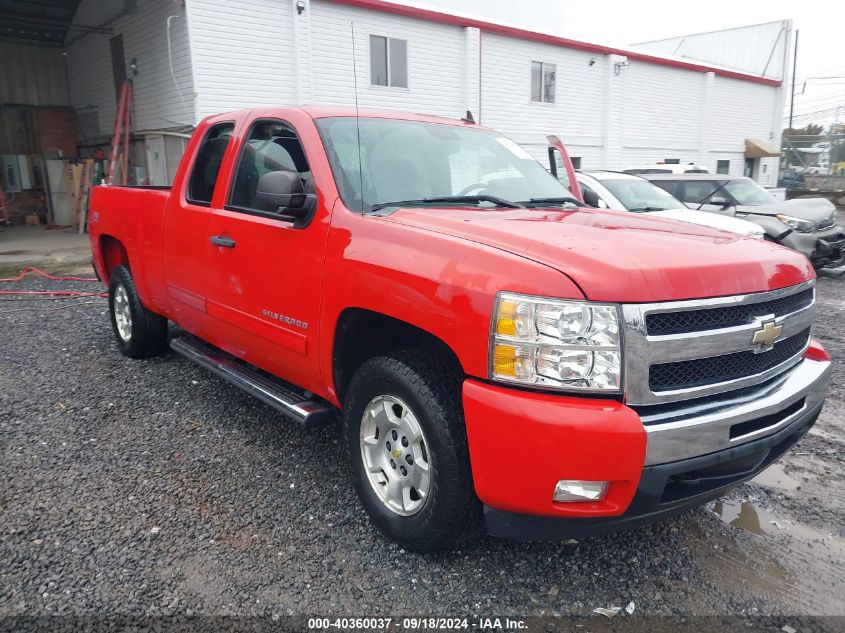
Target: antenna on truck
357, 116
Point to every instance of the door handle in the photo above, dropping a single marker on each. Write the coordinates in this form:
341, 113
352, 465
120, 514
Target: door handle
223, 241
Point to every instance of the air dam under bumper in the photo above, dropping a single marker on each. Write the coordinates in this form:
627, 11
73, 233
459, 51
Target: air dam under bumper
522, 443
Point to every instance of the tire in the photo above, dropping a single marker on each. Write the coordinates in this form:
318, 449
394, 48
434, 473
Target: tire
427, 391
139, 332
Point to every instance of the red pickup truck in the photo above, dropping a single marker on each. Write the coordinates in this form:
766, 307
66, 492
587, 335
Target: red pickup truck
491, 343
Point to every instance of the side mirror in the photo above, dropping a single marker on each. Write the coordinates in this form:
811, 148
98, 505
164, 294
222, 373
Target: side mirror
591, 198
280, 193
720, 201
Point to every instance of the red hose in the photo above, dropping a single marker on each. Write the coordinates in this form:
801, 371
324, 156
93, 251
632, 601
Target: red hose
55, 293
41, 273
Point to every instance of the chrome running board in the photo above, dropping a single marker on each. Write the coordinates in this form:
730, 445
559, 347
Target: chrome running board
295, 403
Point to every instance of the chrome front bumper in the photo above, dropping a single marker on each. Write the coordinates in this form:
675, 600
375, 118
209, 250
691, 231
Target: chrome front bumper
712, 424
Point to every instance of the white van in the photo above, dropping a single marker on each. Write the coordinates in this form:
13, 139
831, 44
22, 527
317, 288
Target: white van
667, 168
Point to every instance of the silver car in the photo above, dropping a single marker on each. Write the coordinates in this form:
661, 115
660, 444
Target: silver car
807, 225
615, 190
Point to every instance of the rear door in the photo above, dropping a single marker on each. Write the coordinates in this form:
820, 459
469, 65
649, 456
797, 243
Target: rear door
186, 248
265, 270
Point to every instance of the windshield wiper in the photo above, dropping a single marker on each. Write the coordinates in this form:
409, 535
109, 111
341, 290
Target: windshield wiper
639, 209
701, 202
496, 200
538, 202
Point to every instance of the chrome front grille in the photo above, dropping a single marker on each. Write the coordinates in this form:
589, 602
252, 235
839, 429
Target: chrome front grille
689, 349
705, 371
658, 323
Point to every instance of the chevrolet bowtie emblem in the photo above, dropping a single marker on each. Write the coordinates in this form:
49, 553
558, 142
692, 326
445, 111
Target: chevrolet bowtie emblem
766, 336
396, 453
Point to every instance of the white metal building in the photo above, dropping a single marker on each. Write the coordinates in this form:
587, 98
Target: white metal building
613, 107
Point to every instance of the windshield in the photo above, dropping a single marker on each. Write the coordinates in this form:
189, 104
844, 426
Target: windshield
641, 195
748, 192
412, 160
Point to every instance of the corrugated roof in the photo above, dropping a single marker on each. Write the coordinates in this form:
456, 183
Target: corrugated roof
36, 21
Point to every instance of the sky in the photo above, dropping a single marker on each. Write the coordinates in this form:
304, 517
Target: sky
821, 25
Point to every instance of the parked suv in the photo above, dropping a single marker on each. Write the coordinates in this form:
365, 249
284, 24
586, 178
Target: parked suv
807, 225
616, 190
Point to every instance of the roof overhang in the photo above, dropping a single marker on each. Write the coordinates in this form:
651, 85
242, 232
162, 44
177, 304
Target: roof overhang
755, 148
547, 38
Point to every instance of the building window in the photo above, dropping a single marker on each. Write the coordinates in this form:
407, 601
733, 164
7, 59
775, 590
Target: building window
543, 82
723, 166
388, 62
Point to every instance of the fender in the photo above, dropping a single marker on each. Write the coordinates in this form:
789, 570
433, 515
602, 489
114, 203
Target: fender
441, 284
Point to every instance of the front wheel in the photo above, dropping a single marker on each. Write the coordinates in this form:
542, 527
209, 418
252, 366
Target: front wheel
407, 449
139, 332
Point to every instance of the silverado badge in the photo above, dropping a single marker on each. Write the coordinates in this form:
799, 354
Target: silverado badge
765, 337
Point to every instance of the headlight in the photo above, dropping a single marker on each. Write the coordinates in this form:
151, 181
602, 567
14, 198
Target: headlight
556, 344
797, 224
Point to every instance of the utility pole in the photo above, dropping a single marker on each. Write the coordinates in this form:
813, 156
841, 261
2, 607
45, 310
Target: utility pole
794, 68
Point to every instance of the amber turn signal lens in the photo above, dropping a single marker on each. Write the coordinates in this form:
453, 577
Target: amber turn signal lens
504, 360
506, 322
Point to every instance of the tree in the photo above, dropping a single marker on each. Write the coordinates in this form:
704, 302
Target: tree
804, 136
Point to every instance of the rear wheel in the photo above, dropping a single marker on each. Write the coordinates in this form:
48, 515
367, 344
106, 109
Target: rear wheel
407, 448
139, 332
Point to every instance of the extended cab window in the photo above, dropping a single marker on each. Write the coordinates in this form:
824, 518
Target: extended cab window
207, 165
271, 146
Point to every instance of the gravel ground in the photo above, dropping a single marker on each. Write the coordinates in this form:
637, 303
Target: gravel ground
152, 488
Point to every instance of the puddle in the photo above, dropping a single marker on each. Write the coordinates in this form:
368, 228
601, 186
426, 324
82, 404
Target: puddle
775, 477
747, 516
741, 514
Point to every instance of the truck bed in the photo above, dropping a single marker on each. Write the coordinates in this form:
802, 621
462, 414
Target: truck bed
134, 217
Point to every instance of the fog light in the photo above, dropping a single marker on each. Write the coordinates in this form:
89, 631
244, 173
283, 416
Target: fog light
575, 490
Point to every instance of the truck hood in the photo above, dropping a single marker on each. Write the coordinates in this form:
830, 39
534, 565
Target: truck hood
619, 256
814, 209
713, 220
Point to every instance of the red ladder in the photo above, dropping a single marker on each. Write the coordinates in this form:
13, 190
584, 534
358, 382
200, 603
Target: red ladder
121, 132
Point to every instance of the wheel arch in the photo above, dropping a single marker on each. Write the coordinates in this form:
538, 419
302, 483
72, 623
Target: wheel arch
113, 254
361, 334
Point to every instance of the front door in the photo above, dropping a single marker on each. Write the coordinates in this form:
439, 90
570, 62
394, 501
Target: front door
265, 270
750, 167
185, 235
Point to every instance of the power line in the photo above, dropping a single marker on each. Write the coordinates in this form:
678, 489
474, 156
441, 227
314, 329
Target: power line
825, 113
831, 101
